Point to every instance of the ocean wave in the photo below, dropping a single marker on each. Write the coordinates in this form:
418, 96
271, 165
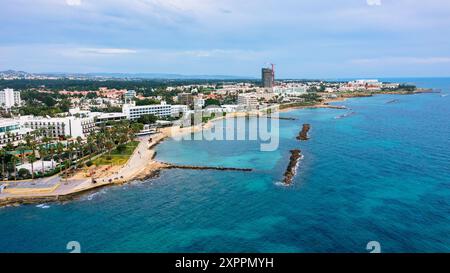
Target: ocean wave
43, 206
91, 196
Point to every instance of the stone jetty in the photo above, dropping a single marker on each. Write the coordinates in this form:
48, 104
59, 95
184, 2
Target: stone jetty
187, 167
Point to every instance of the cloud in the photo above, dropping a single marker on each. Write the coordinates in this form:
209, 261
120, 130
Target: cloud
374, 2
104, 51
73, 2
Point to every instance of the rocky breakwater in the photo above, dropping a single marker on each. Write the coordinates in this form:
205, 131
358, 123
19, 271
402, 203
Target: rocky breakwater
202, 168
291, 169
303, 135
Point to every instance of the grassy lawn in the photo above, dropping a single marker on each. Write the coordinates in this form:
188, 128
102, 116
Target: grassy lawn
117, 158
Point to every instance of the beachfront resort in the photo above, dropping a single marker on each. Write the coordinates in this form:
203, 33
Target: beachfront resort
59, 141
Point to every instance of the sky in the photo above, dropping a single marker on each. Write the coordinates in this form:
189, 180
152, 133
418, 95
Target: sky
304, 39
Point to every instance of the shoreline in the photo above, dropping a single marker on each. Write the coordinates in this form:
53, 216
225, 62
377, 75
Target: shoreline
142, 164
344, 97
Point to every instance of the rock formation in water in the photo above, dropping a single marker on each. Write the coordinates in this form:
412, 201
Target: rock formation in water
303, 135
292, 167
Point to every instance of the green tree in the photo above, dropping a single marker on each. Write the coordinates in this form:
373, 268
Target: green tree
147, 102
212, 102
32, 159
43, 152
24, 173
148, 119
3, 156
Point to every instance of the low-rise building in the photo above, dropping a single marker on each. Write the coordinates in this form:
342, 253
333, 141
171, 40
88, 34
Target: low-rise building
185, 98
103, 118
133, 112
250, 101
199, 102
362, 85
231, 108
179, 110
11, 132
60, 126
130, 95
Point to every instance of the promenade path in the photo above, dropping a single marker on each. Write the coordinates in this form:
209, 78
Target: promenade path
139, 163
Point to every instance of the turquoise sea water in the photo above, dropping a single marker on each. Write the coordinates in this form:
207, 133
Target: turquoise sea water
381, 174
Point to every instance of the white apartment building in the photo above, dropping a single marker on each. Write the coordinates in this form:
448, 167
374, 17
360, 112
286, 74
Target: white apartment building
179, 110
291, 90
102, 118
134, 112
11, 132
250, 101
130, 95
359, 85
60, 126
9, 98
199, 102
231, 108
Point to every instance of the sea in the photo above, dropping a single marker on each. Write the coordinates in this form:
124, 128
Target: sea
378, 171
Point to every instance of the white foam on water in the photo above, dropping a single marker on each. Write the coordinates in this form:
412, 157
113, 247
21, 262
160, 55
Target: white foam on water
281, 184
91, 196
345, 115
43, 206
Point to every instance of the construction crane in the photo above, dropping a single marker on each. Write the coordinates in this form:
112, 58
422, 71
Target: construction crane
273, 74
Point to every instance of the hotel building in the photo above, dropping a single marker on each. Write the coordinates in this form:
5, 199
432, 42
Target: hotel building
60, 126
11, 132
9, 98
134, 112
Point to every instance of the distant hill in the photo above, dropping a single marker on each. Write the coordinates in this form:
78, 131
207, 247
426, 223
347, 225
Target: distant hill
22, 74
14, 73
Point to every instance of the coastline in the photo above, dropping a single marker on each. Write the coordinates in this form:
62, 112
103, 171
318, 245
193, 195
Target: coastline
142, 164
344, 97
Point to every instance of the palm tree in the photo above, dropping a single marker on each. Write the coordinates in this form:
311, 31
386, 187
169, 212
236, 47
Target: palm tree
21, 149
15, 166
60, 150
32, 159
91, 145
52, 154
100, 140
109, 145
70, 147
3, 156
79, 146
42, 154
135, 128
9, 147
